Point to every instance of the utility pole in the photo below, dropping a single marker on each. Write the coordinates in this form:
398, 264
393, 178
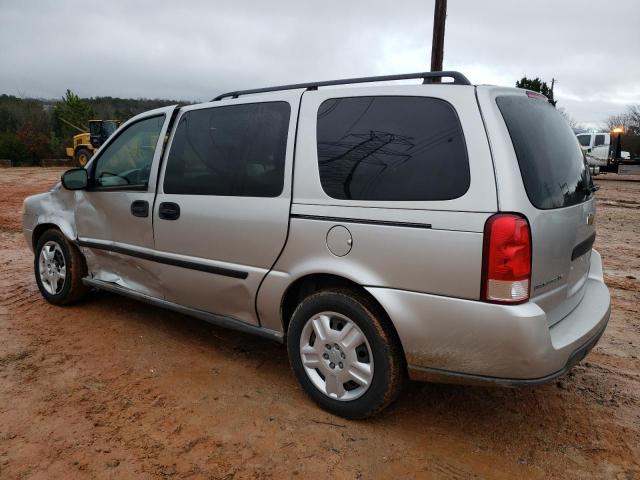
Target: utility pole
437, 42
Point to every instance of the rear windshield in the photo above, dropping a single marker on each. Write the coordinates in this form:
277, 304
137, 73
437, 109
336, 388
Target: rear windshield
551, 162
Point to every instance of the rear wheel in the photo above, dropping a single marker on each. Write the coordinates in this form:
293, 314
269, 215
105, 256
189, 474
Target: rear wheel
59, 268
344, 354
82, 157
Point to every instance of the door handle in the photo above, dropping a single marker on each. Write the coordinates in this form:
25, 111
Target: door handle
169, 211
140, 208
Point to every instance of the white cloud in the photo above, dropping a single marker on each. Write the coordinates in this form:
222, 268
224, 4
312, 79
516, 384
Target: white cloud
196, 49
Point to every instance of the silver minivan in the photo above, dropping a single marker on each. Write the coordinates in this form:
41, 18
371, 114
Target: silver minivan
438, 231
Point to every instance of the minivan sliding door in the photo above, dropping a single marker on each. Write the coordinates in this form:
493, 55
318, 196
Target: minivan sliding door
222, 210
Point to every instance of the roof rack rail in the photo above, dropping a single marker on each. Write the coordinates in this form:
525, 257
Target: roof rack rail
458, 79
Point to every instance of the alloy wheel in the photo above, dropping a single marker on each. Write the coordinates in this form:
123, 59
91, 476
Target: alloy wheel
52, 267
336, 356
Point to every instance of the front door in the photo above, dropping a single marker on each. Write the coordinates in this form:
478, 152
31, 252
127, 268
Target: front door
222, 210
600, 148
585, 141
113, 216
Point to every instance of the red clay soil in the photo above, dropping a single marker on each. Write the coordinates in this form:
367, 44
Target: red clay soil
112, 388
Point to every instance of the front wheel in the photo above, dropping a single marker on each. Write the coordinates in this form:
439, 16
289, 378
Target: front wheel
344, 354
82, 157
59, 268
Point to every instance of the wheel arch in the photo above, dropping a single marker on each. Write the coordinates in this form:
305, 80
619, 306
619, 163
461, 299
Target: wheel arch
308, 284
83, 146
40, 228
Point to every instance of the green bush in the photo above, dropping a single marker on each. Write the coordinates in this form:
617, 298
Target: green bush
13, 149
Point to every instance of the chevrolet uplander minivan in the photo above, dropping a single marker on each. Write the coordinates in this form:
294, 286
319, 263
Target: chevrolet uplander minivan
436, 231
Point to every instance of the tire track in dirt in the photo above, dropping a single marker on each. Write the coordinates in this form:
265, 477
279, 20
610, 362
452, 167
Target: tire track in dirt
116, 389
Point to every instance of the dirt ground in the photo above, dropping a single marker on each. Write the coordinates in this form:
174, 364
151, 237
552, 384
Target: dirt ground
112, 388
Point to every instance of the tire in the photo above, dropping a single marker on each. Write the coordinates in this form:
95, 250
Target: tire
60, 269
335, 388
82, 157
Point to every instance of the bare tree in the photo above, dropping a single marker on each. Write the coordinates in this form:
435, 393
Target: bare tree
629, 120
570, 120
634, 116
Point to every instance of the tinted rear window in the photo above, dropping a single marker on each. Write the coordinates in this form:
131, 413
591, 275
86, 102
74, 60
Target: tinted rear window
391, 148
551, 161
237, 150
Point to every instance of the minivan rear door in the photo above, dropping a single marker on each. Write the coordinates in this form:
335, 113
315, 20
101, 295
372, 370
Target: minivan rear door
542, 174
221, 215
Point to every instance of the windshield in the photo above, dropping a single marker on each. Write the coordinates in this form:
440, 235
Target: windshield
551, 162
585, 140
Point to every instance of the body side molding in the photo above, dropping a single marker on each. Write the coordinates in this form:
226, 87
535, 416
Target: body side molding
227, 272
361, 220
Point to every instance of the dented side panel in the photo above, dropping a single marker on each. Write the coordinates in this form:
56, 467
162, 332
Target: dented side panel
53, 208
105, 217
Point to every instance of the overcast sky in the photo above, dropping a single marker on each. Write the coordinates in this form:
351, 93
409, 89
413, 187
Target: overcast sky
193, 50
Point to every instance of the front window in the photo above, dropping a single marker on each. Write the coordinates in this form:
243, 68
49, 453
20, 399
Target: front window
127, 160
599, 140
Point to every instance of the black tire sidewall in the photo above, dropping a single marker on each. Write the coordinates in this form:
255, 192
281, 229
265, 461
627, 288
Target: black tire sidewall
60, 239
77, 157
375, 396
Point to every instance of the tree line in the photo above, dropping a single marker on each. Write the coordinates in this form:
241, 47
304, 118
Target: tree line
33, 129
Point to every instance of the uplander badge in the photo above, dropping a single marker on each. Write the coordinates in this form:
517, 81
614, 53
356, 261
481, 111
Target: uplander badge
548, 282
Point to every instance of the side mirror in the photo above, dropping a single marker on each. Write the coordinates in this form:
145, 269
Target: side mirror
75, 179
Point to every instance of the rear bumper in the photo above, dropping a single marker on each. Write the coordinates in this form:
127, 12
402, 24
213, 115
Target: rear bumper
464, 341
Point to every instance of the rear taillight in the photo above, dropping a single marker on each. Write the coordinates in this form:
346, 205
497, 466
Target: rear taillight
506, 272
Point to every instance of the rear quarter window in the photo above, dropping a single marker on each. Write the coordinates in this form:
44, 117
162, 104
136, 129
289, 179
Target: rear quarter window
391, 148
551, 162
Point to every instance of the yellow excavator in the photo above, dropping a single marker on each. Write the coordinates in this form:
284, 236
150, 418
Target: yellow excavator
89, 139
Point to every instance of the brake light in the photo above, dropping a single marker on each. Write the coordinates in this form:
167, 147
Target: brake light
537, 95
506, 272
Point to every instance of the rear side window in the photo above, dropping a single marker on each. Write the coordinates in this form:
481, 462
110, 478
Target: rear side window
391, 148
551, 161
237, 150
